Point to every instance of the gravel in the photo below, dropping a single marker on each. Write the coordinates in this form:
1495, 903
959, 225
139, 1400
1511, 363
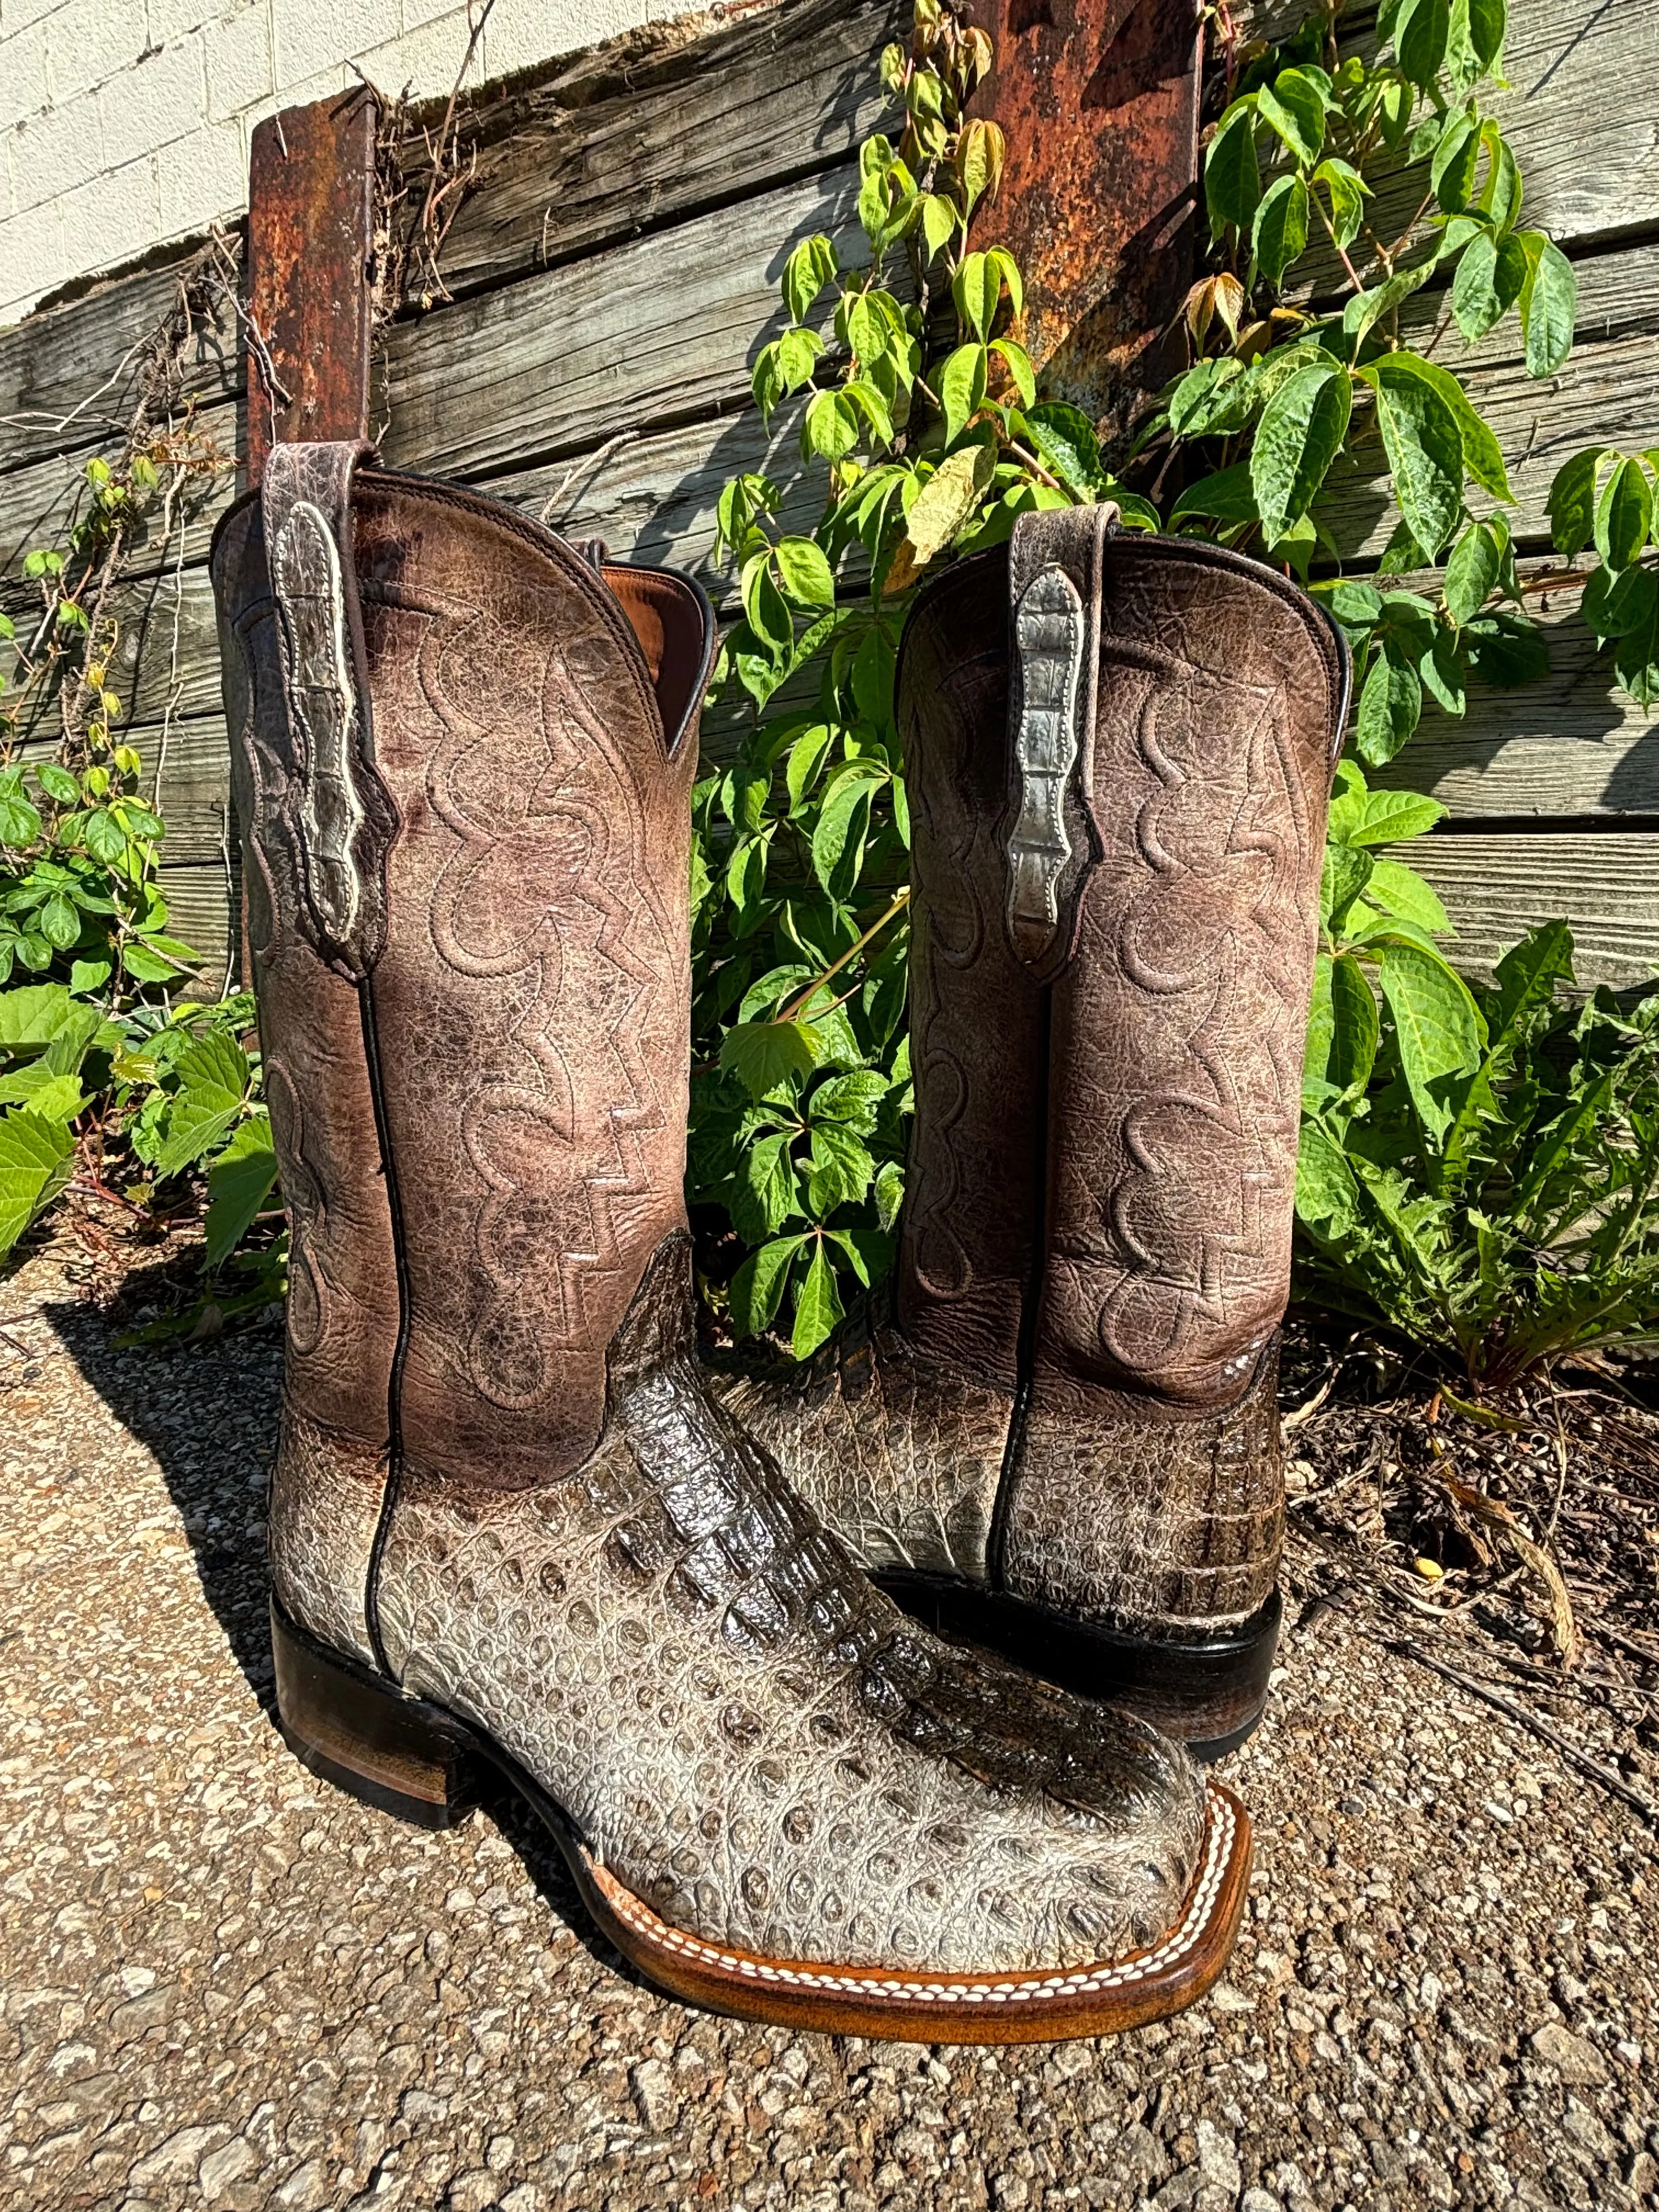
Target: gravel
226, 1985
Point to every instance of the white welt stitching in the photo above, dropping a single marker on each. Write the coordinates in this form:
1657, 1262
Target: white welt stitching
1222, 1827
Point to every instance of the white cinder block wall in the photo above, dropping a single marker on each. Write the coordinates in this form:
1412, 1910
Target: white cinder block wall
125, 123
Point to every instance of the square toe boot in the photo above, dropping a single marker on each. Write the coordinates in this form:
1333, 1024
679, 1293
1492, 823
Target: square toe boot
1059, 1437
512, 1537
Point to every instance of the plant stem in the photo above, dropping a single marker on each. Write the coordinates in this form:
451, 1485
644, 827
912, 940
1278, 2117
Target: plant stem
852, 952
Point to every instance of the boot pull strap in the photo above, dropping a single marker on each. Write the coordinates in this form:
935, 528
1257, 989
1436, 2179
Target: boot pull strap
1056, 562
342, 817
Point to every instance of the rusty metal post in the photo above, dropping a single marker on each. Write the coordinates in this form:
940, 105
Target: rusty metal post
1099, 99
310, 236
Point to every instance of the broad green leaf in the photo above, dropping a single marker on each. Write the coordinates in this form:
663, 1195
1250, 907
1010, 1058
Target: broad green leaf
961, 388
35, 1152
1227, 495
1345, 872
830, 428
946, 500
1474, 39
1347, 193
1355, 1024
1571, 507
855, 1098
1616, 602
870, 1251
805, 572
1457, 156
764, 1189
1390, 708
1506, 649
811, 266
239, 1183
1359, 816
885, 982
1328, 1200
1019, 367
1294, 107
1232, 178
939, 217
977, 288
1067, 446
1299, 436
1364, 310
57, 783
841, 1168
58, 922
764, 1056
842, 819
213, 1081
1279, 235
818, 1305
1624, 516
1491, 274
1549, 303
1471, 572
1401, 891
1636, 652
758, 1286
1424, 447
1438, 1029
1483, 458
889, 1192
1420, 36
32, 1015
1527, 976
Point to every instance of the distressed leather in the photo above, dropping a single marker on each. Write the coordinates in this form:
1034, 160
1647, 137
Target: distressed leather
1121, 747
575, 1547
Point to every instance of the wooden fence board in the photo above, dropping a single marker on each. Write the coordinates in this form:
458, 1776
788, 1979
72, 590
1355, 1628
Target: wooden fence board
618, 141
657, 331
1497, 886
205, 909
68, 377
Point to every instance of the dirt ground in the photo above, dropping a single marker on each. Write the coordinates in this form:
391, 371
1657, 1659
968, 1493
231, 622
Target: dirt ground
225, 1984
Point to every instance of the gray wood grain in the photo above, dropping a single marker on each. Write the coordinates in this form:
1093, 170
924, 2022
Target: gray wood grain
204, 910
1497, 887
70, 376
40, 501
1569, 745
659, 331
643, 130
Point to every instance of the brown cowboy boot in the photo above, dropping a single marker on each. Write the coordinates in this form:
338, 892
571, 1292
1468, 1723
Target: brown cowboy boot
1065, 1442
510, 1532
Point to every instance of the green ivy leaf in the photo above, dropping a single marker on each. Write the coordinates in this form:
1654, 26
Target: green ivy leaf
1424, 444
239, 1183
1421, 32
1347, 193
961, 388
1571, 505
817, 1305
1232, 178
1624, 515
1549, 304
1300, 434
1294, 107
35, 1152
1279, 235
1457, 156
213, 1081
758, 1286
1401, 891
977, 288
1473, 571
1506, 649
1067, 447
1437, 1029
1390, 706
768, 1056
1489, 277
805, 572
57, 783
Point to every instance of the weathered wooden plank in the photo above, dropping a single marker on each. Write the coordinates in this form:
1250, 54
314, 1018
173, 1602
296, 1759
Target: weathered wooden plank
1497, 887
205, 909
651, 127
1569, 745
166, 663
70, 375
40, 502
1607, 394
657, 330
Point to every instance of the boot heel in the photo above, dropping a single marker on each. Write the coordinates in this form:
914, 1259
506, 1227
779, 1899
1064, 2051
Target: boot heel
364, 1735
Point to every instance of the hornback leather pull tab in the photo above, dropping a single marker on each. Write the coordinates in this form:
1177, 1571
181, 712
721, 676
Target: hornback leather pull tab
1056, 563
342, 819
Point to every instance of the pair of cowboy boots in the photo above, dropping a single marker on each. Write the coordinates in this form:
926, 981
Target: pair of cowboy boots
514, 1531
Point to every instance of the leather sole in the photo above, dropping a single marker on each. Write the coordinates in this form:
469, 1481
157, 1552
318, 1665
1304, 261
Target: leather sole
409, 1757
1208, 1693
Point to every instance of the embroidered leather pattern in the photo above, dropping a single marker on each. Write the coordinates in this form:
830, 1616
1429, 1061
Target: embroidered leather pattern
547, 854
1050, 635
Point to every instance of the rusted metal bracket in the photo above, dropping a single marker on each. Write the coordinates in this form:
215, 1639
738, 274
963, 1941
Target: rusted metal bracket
1098, 100
311, 243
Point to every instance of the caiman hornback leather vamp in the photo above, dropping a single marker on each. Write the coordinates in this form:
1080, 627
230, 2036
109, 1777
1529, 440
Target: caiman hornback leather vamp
1064, 1439
511, 1535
